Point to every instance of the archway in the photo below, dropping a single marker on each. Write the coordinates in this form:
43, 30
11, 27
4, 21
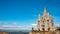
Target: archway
43, 29
48, 29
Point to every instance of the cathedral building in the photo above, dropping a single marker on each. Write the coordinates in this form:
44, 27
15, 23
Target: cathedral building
45, 23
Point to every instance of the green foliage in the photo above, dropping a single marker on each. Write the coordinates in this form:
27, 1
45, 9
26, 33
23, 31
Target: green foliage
58, 28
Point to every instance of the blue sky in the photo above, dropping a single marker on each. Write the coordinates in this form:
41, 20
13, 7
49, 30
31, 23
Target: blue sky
24, 12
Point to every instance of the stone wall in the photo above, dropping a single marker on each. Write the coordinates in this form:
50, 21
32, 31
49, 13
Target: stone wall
49, 32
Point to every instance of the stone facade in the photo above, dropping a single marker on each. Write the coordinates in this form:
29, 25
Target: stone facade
45, 23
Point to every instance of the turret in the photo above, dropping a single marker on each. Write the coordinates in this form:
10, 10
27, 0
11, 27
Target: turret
39, 17
38, 22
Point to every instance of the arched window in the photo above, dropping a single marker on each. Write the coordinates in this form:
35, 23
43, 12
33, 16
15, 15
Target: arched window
47, 20
43, 25
49, 29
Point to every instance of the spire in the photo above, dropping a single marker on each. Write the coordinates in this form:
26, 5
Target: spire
44, 11
39, 16
38, 21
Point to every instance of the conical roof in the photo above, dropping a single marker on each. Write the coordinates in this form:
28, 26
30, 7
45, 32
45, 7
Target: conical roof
44, 11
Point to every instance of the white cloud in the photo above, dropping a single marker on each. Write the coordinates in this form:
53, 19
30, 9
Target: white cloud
9, 27
33, 24
14, 26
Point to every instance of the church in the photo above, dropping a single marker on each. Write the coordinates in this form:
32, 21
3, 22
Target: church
44, 24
